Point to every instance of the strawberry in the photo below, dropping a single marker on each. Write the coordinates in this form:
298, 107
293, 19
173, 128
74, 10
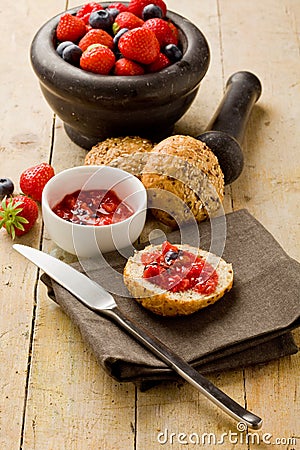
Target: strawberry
137, 6
96, 36
174, 30
140, 45
70, 28
119, 6
85, 11
126, 20
162, 31
127, 67
33, 180
18, 215
98, 59
160, 63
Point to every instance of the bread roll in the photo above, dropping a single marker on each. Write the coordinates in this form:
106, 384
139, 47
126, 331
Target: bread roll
167, 303
188, 170
127, 153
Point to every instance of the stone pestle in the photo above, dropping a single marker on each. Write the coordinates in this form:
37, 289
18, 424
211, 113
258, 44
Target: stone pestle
225, 132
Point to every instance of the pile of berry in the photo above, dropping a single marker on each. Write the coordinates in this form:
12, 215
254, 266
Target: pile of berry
119, 39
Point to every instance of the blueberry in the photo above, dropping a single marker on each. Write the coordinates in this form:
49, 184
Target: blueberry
6, 187
172, 52
171, 256
118, 35
101, 19
60, 48
72, 54
118, 55
113, 12
151, 11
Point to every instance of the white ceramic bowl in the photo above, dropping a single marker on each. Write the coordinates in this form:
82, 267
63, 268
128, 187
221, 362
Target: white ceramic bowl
88, 240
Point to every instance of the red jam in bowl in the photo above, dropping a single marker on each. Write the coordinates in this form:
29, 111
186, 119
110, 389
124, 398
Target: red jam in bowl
93, 207
179, 270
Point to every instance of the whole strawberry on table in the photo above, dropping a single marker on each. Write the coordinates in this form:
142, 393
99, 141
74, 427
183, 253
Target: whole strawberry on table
19, 213
119, 39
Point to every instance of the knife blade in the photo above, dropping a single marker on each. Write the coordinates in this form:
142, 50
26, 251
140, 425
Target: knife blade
102, 302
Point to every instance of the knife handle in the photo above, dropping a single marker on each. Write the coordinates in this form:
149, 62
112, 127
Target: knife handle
184, 369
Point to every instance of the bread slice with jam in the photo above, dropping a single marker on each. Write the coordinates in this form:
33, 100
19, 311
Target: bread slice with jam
172, 280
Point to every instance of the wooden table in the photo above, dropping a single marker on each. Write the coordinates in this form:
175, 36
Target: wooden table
53, 394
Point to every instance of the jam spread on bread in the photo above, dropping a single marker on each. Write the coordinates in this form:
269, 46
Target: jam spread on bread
93, 207
179, 270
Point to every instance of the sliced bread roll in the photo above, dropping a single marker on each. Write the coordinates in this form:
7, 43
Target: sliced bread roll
166, 303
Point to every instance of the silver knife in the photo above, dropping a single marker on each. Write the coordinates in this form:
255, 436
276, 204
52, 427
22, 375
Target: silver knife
102, 302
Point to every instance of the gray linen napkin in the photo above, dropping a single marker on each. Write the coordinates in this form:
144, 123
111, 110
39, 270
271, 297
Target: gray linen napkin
252, 324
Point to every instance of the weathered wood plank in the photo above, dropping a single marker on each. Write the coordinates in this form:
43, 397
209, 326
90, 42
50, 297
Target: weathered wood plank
268, 45
269, 185
24, 140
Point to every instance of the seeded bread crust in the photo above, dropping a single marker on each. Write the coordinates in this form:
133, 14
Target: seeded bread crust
187, 168
127, 153
166, 303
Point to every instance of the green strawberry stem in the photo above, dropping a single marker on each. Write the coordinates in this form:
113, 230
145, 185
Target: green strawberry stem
115, 28
10, 216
